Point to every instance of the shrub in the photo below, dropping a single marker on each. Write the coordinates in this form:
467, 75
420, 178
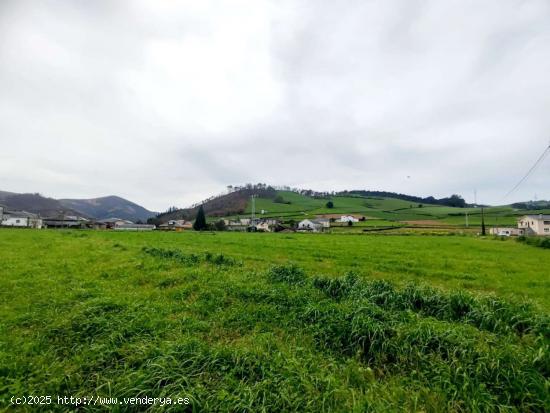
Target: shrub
289, 274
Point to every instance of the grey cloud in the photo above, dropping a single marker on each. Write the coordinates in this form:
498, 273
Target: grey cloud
167, 103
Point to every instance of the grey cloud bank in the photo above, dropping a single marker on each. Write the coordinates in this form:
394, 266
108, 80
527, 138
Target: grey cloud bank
168, 102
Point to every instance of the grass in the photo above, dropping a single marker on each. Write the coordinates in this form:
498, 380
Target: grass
276, 322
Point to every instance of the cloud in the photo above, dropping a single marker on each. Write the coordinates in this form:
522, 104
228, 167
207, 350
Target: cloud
168, 102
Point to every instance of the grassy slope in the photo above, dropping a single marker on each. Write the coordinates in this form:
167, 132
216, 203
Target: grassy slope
90, 313
388, 209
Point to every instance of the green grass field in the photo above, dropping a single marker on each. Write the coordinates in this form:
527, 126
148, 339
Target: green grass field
275, 322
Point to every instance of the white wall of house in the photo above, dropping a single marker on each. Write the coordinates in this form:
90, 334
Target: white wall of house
348, 218
504, 231
309, 225
535, 224
9, 221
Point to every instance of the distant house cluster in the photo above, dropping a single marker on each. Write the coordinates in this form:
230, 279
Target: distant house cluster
24, 219
177, 225
254, 225
527, 225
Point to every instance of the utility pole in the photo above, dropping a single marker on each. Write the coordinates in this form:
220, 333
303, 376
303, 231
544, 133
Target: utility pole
467, 225
482, 222
253, 208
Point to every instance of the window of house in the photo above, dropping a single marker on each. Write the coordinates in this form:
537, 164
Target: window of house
17, 221
546, 229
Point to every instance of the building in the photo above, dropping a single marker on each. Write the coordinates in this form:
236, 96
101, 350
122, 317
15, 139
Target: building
134, 227
113, 222
263, 225
314, 225
65, 221
252, 225
348, 218
176, 225
504, 231
534, 225
21, 219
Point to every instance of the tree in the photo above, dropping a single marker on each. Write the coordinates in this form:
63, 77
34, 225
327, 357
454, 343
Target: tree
200, 221
330, 205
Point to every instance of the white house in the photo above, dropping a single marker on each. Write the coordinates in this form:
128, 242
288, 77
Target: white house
314, 225
534, 225
348, 218
19, 219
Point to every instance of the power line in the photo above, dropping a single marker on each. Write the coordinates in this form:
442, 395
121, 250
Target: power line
537, 163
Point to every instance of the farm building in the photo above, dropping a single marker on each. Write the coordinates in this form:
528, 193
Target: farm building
266, 225
504, 231
20, 219
65, 221
534, 225
134, 227
113, 222
348, 218
176, 225
314, 225
247, 224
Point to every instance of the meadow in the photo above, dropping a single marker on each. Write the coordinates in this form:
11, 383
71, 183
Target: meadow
254, 322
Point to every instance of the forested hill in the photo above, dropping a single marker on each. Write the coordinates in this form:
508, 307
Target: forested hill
236, 201
453, 201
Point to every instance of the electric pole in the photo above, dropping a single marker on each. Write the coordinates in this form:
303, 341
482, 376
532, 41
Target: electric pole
253, 208
482, 222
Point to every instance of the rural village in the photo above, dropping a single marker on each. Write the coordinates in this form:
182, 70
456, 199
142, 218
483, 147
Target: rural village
527, 225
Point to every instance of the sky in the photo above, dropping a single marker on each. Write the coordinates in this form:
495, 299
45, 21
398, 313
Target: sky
168, 102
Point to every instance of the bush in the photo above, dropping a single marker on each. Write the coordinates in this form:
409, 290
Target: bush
541, 242
289, 274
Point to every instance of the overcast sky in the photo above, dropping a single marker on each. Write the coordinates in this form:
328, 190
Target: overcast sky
166, 102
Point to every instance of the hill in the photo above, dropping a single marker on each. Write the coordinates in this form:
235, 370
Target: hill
382, 209
109, 207
233, 203
99, 208
37, 204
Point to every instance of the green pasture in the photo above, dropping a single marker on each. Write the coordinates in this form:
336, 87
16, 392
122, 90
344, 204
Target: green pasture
261, 322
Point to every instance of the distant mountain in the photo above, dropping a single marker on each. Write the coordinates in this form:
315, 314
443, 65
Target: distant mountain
109, 207
99, 208
35, 203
